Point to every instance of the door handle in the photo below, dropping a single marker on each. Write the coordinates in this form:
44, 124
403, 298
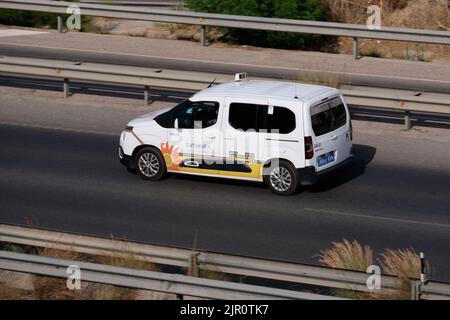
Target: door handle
333, 137
211, 137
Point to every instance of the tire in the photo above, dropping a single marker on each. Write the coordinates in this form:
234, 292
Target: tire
283, 179
150, 164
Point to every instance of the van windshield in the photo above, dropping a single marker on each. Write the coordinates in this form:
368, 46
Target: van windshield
328, 116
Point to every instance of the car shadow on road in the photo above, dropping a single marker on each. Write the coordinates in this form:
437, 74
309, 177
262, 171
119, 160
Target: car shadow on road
220, 181
363, 156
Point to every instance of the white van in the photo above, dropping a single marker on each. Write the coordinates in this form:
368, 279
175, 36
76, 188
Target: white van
282, 133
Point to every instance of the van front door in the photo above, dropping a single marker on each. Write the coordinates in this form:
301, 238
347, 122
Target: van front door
197, 135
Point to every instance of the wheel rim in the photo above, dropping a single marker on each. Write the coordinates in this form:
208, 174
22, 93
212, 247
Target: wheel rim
280, 179
148, 164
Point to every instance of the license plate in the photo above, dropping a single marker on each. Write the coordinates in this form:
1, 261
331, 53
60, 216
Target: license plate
325, 159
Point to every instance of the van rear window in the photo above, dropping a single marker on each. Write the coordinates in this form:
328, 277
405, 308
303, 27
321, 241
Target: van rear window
328, 116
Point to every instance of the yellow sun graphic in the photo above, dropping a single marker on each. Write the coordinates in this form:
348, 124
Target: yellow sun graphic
171, 156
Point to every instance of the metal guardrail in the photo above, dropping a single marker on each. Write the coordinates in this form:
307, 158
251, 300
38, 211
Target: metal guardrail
234, 21
143, 3
402, 102
180, 285
435, 291
148, 77
232, 264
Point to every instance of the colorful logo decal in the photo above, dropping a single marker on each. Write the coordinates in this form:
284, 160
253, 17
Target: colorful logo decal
235, 165
171, 156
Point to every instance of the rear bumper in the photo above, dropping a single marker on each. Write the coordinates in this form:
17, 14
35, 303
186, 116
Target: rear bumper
309, 176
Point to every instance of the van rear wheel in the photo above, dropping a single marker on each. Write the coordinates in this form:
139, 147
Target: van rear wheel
283, 178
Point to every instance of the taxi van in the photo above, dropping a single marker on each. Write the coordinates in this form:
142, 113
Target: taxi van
281, 133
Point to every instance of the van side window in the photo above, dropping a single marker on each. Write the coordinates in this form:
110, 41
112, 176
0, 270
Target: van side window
282, 120
166, 119
197, 115
328, 116
244, 116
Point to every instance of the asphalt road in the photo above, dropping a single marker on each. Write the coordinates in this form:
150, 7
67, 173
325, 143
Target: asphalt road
73, 181
375, 74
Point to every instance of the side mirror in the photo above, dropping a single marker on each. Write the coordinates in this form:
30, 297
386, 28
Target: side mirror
175, 124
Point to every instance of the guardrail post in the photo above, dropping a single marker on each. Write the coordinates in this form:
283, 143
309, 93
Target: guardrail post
407, 120
355, 48
193, 265
203, 35
415, 289
60, 24
66, 88
146, 95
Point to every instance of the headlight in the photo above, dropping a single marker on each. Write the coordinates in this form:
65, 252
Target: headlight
128, 128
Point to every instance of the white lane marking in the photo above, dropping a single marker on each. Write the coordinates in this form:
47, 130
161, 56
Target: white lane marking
348, 214
228, 63
36, 126
18, 32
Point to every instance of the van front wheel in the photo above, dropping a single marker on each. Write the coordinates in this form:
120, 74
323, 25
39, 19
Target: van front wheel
149, 164
283, 178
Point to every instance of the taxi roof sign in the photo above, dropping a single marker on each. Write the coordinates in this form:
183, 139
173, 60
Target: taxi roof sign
240, 76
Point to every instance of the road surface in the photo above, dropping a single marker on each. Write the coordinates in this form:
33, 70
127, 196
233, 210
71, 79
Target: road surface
257, 62
59, 169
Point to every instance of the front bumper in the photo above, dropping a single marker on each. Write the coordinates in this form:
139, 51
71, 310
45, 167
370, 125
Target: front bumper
126, 160
309, 176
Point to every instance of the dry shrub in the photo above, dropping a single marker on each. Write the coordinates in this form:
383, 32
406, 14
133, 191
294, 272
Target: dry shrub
405, 265
8, 293
424, 14
125, 259
56, 288
50, 288
354, 11
420, 14
350, 256
347, 255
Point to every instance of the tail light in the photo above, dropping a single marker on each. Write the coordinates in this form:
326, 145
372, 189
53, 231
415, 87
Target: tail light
309, 148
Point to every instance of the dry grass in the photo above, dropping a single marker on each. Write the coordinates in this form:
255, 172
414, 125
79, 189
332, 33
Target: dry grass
348, 11
421, 14
125, 260
213, 275
347, 255
8, 293
51, 288
355, 11
319, 78
405, 265
426, 14
350, 256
